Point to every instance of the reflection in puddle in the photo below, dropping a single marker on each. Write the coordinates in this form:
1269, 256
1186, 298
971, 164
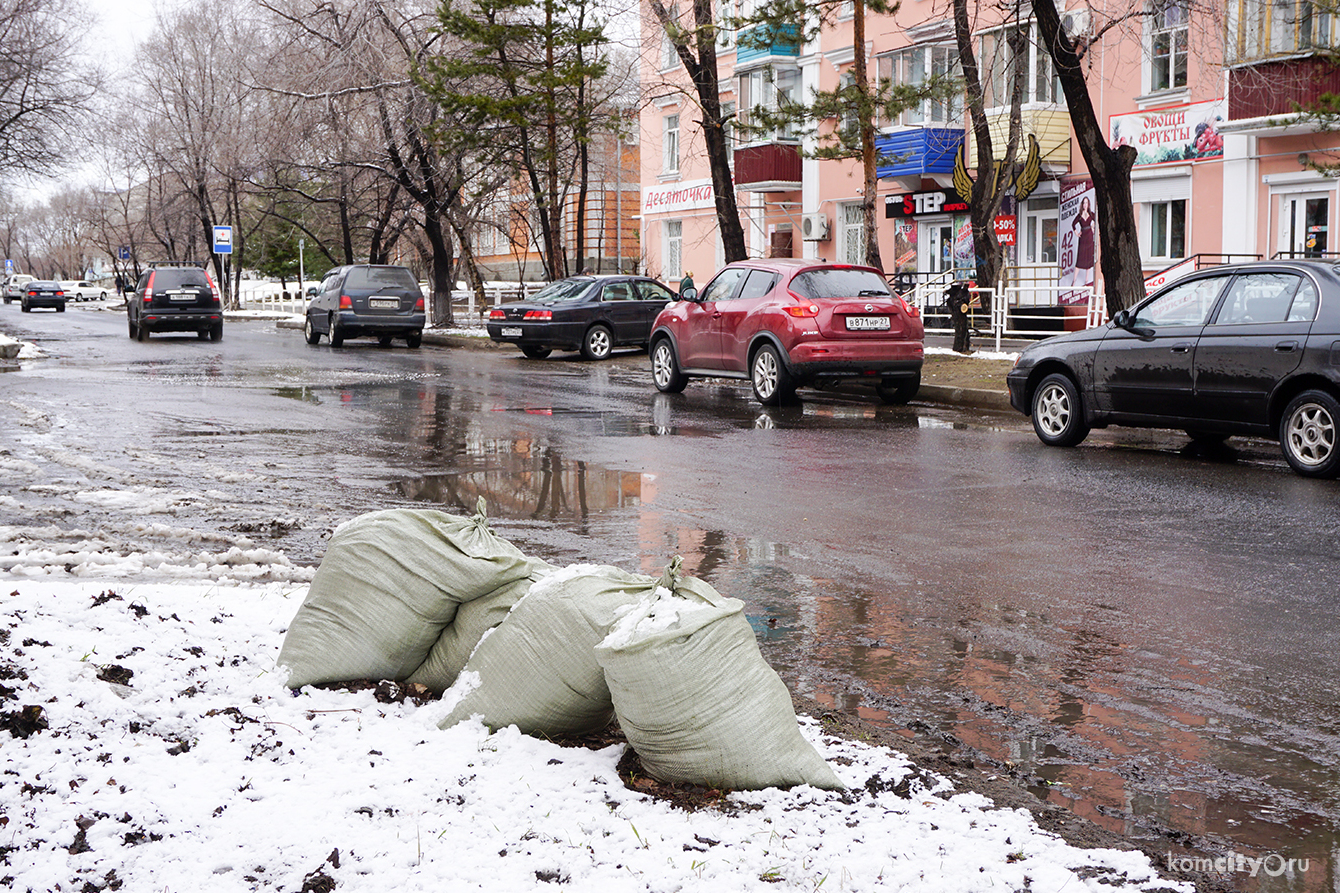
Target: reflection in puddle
536, 485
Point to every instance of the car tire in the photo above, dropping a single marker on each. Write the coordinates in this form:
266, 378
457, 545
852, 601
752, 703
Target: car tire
665, 368
413, 341
597, 343
1058, 414
384, 340
770, 378
536, 353
23, 305
898, 392
309, 331
336, 336
60, 308
130, 325
216, 332
1308, 434
202, 334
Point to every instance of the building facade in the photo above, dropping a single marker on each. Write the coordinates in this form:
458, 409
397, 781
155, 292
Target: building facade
1225, 165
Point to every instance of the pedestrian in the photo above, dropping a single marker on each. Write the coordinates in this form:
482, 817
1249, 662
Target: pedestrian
686, 282
957, 296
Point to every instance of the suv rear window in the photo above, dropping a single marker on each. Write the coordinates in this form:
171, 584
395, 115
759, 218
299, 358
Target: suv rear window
165, 279
840, 283
380, 277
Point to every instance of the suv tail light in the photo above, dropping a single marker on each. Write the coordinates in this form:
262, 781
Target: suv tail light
346, 302
908, 308
213, 289
803, 309
497, 314
539, 314
418, 305
149, 288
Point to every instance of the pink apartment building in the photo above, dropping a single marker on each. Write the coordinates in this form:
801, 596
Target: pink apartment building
1207, 96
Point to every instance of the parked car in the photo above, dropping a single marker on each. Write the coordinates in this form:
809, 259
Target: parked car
42, 293
77, 290
1244, 349
14, 286
786, 323
592, 314
366, 300
175, 299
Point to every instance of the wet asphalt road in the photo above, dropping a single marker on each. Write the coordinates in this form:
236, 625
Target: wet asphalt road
1145, 634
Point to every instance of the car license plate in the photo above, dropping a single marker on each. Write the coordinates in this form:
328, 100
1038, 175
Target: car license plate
181, 296
511, 332
384, 303
867, 323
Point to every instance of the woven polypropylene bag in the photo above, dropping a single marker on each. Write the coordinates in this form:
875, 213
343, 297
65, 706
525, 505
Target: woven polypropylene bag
389, 584
696, 699
537, 670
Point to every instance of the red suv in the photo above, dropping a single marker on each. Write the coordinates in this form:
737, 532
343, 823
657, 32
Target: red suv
787, 323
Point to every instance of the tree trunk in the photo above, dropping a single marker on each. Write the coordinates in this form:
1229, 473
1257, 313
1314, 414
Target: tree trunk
869, 156
1119, 252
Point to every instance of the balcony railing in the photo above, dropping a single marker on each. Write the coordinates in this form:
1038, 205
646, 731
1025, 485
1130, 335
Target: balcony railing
768, 167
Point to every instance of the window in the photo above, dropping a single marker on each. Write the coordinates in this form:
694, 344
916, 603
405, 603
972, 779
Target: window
674, 249
758, 284
1040, 224
1258, 297
853, 233
920, 65
670, 145
1183, 304
1167, 229
766, 88
1167, 51
669, 54
728, 132
1259, 29
617, 291
1002, 49
722, 287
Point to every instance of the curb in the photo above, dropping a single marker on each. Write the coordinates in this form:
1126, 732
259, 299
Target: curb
975, 398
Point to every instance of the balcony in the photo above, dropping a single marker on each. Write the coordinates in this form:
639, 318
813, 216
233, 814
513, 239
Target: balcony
919, 152
768, 167
756, 46
1279, 87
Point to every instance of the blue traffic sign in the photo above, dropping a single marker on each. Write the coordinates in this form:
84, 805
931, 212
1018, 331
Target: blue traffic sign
223, 240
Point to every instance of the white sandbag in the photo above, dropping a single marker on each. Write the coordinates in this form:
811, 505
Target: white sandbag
473, 619
696, 699
538, 670
389, 584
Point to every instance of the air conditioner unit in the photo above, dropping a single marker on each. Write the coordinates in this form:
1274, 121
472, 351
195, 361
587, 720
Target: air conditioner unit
814, 228
1075, 23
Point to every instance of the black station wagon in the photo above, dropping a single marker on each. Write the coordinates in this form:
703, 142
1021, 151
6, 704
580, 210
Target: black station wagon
175, 299
366, 300
593, 314
1247, 349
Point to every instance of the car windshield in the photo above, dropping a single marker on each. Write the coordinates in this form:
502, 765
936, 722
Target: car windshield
380, 277
165, 279
563, 291
840, 283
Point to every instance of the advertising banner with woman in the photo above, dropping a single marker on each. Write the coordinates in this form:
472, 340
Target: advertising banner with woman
1079, 240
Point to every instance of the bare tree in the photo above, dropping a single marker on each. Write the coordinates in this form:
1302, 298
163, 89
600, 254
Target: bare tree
44, 85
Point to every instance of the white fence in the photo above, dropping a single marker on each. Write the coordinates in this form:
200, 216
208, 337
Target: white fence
1023, 311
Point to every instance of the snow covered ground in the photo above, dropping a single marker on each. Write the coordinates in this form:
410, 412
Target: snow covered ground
164, 752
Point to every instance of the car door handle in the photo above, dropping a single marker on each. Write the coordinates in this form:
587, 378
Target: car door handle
1286, 346
716, 315
1181, 347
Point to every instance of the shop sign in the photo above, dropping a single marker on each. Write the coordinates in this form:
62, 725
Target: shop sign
1158, 280
1172, 135
671, 198
924, 204
1006, 227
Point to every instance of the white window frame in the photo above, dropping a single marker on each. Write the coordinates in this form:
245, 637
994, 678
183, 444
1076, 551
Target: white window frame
669, 53
764, 87
673, 232
1169, 24
1042, 88
915, 65
670, 145
1163, 215
852, 220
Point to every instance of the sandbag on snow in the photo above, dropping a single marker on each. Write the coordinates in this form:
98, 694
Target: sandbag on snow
473, 619
538, 670
696, 699
389, 584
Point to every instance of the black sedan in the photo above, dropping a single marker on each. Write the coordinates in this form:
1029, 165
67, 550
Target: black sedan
1248, 349
42, 293
593, 314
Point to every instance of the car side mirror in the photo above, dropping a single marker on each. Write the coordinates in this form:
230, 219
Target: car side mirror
1122, 320
688, 294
